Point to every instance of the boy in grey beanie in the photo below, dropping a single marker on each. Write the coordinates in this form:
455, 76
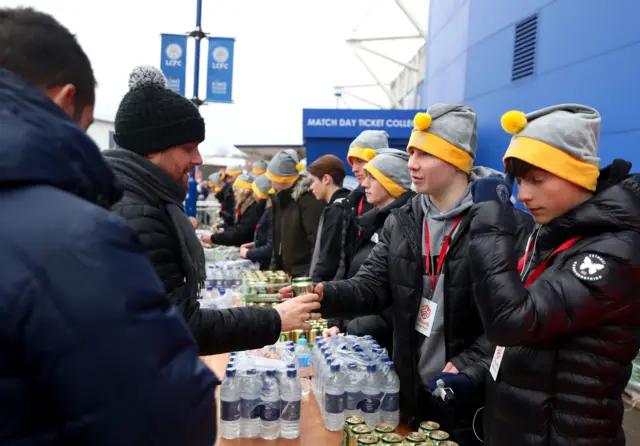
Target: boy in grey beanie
391, 171
284, 169
573, 298
259, 167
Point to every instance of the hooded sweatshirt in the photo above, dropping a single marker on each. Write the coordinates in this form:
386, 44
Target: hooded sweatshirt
431, 350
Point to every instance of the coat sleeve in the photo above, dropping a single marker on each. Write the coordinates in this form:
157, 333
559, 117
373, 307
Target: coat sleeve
476, 359
107, 350
243, 230
310, 210
261, 254
234, 329
330, 245
368, 291
559, 302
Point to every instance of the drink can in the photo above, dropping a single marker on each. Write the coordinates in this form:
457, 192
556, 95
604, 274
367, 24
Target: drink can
360, 429
313, 334
367, 439
438, 436
426, 427
414, 438
348, 439
297, 334
382, 429
448, 443
391, 439
301, 285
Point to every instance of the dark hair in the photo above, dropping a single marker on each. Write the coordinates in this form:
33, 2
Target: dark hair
517, 167
37, 48
328, 165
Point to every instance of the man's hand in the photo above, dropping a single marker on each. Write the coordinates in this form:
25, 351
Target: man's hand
206, 239
328, 332
294, 313
243, 252
450, 368
248, 245
194, 222
286, 292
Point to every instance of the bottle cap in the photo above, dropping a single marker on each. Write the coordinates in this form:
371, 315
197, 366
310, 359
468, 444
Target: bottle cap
292, 373
302, 341
372, 368
231, 373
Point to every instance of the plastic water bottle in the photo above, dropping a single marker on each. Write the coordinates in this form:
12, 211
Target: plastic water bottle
250, 404
304, 363
371, 396
270, 413
291, 393
334, 399
230, 406
390, 409
352, 392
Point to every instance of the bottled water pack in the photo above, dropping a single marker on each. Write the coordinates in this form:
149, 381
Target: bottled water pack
261, 394
354, 376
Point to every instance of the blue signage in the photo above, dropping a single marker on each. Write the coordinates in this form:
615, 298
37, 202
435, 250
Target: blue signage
220, 69
173, 61
346, 123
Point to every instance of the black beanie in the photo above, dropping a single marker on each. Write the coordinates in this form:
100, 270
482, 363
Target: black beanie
151, 118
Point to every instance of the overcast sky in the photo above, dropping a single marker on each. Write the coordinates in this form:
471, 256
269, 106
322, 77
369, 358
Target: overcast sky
289, 54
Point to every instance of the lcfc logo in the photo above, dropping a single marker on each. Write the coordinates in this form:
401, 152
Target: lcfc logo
174, 51
220, 54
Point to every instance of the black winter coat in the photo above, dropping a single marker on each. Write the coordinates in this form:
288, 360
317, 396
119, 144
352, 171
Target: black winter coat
227, 204
263, 241
296, 214
244, 229
330, 234
217, 331
92, 353
572, 334
357, 199
392, 276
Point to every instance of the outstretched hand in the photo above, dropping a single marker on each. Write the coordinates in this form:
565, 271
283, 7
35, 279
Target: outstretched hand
295, 313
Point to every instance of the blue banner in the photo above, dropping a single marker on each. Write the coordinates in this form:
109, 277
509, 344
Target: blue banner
220, 69
349, 123
173, 61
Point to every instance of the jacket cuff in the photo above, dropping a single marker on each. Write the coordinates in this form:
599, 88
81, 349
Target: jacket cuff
269, 318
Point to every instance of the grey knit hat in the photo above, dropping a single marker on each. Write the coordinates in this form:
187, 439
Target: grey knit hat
285, 167
391, 171
259, 167
364, 147
238, 169
561, 139
262, 187
216, 180
448, 132
244, 181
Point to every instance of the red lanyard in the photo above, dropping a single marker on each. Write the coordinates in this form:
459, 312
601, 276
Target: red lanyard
443, 251
360, 206
540, 269
237, 214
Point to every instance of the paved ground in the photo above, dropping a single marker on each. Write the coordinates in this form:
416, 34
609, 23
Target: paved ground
632, 426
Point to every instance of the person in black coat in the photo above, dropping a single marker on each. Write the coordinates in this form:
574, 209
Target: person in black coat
92, 352
159, 150
420, 268
260, 249
296, 214
248, 214
566, 315
387, 184
327, 174
227, 197
361, 151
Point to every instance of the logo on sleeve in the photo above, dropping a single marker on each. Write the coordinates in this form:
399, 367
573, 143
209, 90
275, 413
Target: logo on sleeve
591, 268
503, 193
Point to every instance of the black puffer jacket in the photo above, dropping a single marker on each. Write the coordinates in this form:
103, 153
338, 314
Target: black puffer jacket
244, 229
357, 199
572, 334
263, 241
217, 331
392, 276
227, 204
296, 215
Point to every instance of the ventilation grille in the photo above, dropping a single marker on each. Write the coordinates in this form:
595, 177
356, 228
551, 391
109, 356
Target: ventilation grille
524, 51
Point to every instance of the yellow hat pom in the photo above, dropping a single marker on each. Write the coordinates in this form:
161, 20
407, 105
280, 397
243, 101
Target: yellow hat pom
218, 189
272, 191
513, 122
299, 167
369, 154
422, 121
